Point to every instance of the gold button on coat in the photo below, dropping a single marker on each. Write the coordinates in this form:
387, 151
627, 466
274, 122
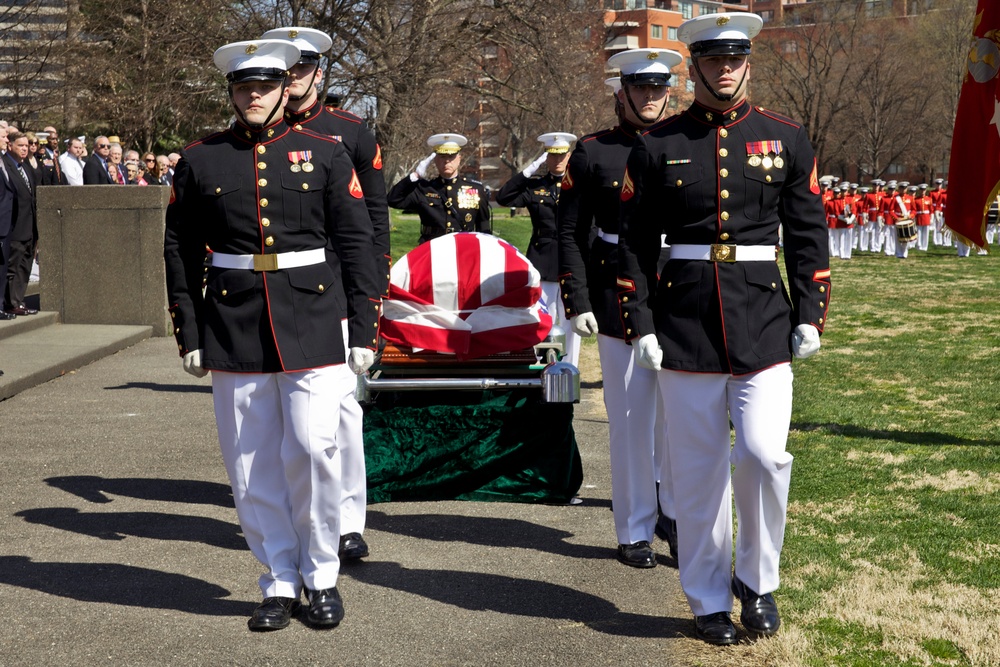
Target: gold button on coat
262, 182
263, 203
225, 292
269, 241
723, 172
725, 215
725, 194
822, 289
261, 150
305, 186
262, 165
265, 222
723, 132
321, 288
218, 190
679, 182
724, 236
723, 152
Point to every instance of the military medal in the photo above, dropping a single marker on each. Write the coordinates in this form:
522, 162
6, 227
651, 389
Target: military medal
300, 156
778, 162
767, 162
754, 161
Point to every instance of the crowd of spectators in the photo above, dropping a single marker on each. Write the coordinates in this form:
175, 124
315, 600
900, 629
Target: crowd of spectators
104, 162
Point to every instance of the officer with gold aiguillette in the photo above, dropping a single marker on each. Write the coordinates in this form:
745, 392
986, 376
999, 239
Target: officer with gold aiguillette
449, 203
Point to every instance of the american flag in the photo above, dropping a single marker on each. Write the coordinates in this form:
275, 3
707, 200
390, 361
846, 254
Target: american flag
467, 294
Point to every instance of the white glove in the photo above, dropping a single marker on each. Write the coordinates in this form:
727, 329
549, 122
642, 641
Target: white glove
584, 324
649, 354
192, 364
530, 170
360, 359
805, 341
421, 170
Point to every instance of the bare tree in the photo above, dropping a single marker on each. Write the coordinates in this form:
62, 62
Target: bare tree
146, 69
888, 117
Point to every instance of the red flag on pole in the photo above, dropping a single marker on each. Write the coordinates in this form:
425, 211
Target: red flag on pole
974, 172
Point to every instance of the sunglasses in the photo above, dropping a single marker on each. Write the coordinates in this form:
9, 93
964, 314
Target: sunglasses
149, 159
32, 143
104, 145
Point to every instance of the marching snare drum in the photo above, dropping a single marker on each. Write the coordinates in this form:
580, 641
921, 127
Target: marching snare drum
906, 231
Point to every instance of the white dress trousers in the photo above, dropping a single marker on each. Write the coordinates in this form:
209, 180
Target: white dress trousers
351, 443
698, 409
552, 295
277, 435
630, 400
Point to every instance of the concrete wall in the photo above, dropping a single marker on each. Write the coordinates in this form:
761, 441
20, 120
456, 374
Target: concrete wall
101, 254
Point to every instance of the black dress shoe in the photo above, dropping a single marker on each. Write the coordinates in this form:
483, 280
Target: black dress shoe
353, 546
4, 315
637, 554
760, 612
273, 614
666, 529
326, 609
715, 628
22, 310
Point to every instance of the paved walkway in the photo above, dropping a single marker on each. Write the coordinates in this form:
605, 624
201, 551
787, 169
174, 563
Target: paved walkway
121, 547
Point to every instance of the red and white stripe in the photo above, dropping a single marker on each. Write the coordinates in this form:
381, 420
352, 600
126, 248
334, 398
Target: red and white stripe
467, 294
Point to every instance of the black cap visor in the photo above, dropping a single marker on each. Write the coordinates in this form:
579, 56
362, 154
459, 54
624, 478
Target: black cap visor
308, 58
720, 47
646, 79
257, 74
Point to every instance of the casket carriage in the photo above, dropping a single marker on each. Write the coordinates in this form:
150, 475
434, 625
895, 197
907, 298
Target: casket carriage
469, 398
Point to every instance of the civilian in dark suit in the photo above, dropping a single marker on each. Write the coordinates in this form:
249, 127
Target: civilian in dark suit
24, 232
95, 170
7, 195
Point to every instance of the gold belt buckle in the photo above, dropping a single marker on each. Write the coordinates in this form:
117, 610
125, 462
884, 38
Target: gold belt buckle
722, 252
265, 263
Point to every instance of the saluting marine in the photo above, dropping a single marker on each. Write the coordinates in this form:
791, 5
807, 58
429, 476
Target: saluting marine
305, 112
268, 323
449, 203
720, 180
540, 195
588, 249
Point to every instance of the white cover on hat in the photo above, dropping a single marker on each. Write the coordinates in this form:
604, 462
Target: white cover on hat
447, 143
272, 53
729, 25
645, 61
307, 39
557, 142
614, 82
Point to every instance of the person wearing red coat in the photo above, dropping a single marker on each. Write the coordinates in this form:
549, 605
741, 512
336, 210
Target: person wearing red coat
923, 213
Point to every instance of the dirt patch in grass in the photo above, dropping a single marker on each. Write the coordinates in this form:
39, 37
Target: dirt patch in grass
952, 480
910, 613
885, 458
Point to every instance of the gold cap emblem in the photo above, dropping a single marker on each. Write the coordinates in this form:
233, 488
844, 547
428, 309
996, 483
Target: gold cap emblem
293, 33
653, 55
251, 49
722, 20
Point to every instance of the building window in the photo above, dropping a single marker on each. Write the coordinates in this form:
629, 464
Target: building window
790, 47
689, 86
687, 10
767, 15
656, 31
672, 33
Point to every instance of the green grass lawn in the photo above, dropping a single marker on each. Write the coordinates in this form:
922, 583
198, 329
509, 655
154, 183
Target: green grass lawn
892, 551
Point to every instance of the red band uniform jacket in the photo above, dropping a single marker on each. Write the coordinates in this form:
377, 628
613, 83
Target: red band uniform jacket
445, 206
366, 155
694, 178
591, 198
540, 195
236, 193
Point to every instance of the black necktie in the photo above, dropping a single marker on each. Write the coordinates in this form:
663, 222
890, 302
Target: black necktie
24, 175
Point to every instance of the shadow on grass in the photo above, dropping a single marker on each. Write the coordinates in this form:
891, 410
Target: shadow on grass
905, 437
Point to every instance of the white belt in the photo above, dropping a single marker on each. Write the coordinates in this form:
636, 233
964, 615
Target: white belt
607, 238
720, 252
274, 262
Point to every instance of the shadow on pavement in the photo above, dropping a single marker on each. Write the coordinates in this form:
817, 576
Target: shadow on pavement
112, 583
94, 488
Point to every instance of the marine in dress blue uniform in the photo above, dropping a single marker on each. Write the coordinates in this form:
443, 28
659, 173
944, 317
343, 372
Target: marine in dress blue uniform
720, 180
305, 112
449, 203
268, 325
588, 255
540, 195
